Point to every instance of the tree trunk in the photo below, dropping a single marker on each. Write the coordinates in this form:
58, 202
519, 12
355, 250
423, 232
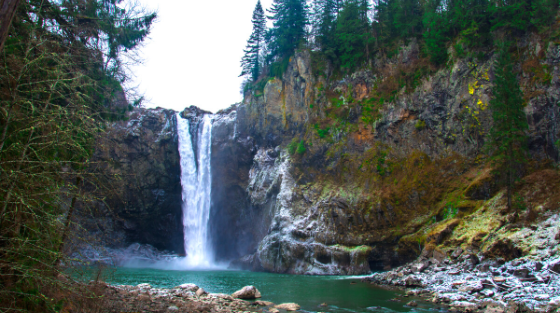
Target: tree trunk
7, 12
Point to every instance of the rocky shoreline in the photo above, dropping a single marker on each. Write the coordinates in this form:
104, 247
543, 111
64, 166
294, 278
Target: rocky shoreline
466, 282
186, 298
462, 282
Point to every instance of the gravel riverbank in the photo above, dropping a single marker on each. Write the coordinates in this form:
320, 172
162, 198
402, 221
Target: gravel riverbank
468, 284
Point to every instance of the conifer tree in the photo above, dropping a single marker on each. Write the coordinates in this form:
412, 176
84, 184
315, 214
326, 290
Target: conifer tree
324, 23
435, 31
350, 35
508, 134
290, 17
251, 61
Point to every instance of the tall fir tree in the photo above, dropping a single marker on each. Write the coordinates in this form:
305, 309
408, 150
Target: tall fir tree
350, 34
290, 17
435, 31
323, 22
251, 63
508, 136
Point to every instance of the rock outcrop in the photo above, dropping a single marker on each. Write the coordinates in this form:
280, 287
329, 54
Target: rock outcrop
141, 160
376, 178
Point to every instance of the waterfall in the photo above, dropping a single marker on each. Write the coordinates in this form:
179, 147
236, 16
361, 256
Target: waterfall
196, 181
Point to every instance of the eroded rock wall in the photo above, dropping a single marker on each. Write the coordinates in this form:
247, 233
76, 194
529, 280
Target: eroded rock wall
144, 201
366, 193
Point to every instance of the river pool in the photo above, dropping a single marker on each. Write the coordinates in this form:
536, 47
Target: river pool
340, 293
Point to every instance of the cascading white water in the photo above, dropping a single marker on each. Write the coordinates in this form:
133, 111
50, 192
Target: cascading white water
196, 180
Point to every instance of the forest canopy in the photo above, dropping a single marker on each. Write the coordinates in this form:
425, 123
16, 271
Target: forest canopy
348, 33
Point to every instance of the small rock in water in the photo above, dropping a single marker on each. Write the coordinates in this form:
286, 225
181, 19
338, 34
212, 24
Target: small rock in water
288, 306
201, 292
263, 303
188, 287
273, 310
374, 308
412, 304
323, 305
247, 292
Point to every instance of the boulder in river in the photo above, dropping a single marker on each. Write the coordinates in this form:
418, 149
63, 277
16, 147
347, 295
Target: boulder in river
188, 287
247, 292
288, 306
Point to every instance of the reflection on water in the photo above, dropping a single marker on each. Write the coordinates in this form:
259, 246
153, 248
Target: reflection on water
341, 294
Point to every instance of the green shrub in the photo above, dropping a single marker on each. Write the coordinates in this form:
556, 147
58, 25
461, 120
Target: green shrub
322, 133
301, 147
292, 146
278, 68
420, 124
450, 211
459, 51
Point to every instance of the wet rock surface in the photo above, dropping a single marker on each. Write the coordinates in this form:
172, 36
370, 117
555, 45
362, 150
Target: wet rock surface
183, 298
141, 202
293, 242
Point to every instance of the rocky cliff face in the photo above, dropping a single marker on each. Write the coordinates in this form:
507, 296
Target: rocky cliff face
376, 177
142, 157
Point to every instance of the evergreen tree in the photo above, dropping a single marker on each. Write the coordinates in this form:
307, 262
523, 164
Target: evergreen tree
543, 12
290, 18
435, 33
252, 60
324, 24
407, 20
511, 14
398, 19
350, 35
383, 19
508, 134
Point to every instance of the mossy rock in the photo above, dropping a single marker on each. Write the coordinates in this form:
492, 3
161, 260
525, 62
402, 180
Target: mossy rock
503, 248
482, 187
439, 233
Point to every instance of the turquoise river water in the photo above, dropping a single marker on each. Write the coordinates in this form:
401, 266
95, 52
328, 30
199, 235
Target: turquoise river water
340, 293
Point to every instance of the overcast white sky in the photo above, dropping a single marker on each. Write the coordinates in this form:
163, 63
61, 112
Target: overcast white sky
193, 54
